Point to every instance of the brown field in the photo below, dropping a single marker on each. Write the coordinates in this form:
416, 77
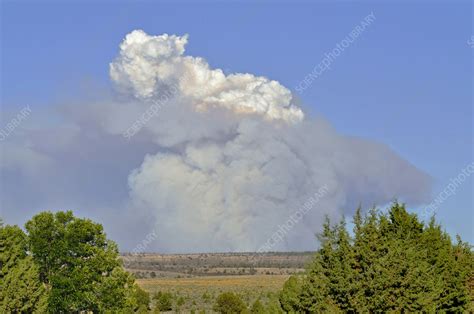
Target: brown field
199, 293
264, 283
197, 279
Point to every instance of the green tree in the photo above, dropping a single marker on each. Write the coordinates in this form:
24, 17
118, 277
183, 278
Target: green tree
315, 293
341, 274
393, 263
13, 247
229, 303
21, 290
291, 294
273, 305
78, 264
452, 265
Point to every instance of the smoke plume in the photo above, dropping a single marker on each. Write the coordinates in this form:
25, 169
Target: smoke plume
215, 162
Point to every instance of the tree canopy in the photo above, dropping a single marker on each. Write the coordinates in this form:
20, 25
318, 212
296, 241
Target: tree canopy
64, 264
21, 289
392, 262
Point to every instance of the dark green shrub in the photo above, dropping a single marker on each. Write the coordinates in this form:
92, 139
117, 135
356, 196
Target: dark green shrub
229, 303
164, 301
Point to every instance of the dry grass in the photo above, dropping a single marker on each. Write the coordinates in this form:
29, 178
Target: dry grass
195, 280
200, 293
260, 282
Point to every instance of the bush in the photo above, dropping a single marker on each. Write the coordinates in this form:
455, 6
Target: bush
143, 298
229, 303
257, 307
274, 306
206, 297
179, 303
164, 301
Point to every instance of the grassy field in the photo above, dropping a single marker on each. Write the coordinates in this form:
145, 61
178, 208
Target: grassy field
199, 293
263, 283
195, 280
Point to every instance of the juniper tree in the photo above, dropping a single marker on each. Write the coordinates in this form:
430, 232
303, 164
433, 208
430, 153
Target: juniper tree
393, 263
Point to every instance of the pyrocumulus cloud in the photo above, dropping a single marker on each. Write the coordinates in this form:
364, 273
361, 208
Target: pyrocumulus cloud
220, 165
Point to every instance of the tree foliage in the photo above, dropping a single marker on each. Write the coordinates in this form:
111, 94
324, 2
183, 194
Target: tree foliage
393, 262
21, 290
13, 246
64, 264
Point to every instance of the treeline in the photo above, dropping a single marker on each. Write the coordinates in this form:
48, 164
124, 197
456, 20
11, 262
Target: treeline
391, 263
64, 264
215, 263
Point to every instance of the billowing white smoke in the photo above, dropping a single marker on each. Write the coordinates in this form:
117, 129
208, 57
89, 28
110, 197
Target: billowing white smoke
149, 64
233, 178
229, 158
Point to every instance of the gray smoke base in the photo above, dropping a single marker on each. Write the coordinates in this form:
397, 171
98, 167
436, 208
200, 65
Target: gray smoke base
222, 163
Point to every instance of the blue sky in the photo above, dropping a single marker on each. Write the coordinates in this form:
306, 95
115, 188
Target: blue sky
405, 82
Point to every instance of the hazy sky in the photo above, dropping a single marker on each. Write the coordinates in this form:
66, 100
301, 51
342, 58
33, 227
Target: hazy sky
405, 82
